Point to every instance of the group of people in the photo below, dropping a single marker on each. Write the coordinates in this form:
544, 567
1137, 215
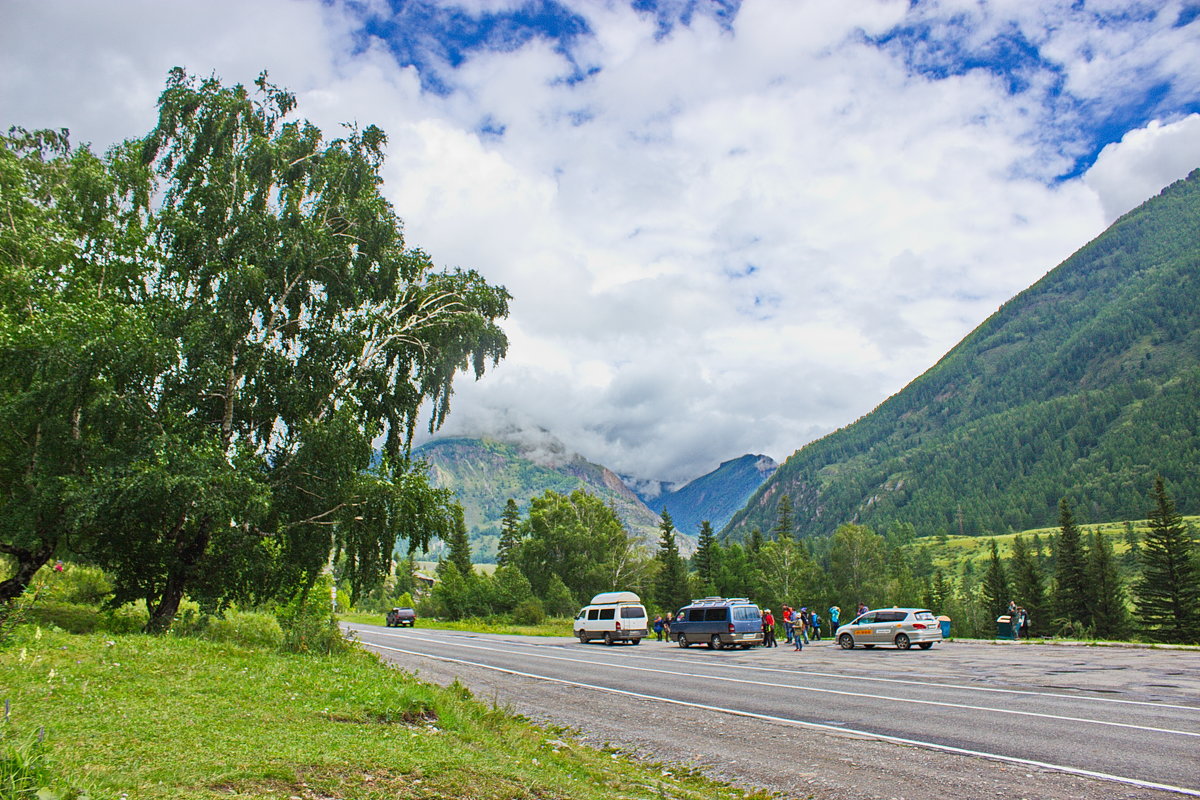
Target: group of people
799, 627
1018, 617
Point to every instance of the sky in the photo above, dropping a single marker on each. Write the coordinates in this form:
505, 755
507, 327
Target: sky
728, 227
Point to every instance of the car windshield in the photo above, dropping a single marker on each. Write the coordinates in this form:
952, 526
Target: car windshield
923, 615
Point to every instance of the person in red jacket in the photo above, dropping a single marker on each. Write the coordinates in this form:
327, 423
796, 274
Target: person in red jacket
768, 629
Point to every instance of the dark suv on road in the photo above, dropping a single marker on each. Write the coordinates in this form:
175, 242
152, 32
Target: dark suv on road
401, 617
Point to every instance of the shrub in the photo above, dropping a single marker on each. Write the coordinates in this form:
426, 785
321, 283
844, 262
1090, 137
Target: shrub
246, 628
79, 584
529, 612
309, 625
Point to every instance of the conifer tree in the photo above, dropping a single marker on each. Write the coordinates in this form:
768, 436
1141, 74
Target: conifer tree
705, 559
996, 590
510, 522
671, 585
783, 522
1029, 586
1109, 617
1072, 599
1133, 545
460, 546
755, 541
1168, 592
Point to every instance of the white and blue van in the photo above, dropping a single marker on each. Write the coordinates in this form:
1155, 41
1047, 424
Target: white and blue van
719, 622
613, 617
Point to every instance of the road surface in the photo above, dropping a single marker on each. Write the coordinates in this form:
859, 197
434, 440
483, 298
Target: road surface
974, 719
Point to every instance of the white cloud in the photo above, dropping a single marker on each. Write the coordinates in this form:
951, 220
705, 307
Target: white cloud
1145, 160
724, 239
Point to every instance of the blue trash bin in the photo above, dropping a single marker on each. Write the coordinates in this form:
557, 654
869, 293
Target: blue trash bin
944, 624
1004, 628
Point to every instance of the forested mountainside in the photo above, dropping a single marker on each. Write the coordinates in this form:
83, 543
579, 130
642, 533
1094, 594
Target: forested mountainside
715, 497
1083, 386
485, 473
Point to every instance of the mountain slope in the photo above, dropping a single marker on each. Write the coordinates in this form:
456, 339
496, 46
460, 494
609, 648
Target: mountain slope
1085, 385
716, 496
485, 473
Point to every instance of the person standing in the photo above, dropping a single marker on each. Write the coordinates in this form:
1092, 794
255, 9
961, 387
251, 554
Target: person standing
658, 627
835, 614
788, 624
798, 634
816, 625
862, 609
768, 629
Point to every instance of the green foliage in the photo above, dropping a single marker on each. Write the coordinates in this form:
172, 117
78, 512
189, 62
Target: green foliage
580, 541
1072, 593
996, 590
205, 333
1108, 614
308, 623
246, 628
1168, 591
1073, 388
529, 612
671, 589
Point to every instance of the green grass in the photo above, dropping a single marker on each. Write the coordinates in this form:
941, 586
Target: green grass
554, 626
137, 716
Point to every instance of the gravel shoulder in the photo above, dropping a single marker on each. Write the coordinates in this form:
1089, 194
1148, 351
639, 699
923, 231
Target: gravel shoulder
792, 761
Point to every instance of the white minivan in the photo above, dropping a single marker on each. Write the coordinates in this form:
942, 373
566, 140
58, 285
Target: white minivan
613, 617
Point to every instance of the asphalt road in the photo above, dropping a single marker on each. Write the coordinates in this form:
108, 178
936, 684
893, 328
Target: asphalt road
977, 719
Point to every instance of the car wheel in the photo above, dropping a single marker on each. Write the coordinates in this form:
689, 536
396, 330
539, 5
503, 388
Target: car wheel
635, 641
683, 642
583, 638
846, 641
715, 642
608, 639
902, 642
924, 645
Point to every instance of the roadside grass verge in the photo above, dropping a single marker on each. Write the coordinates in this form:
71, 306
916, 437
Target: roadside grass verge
554, 626
137, 716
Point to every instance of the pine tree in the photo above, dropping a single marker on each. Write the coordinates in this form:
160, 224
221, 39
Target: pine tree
460, 546
755, 542
1168, 592
1133, 545
996, 590
783, 522
1072, 598
705, 559
671, 585
510, 523
1029, 586
1109, 618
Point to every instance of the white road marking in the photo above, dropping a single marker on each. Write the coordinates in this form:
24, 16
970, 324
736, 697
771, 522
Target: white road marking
861, 695
811, 725
935, 684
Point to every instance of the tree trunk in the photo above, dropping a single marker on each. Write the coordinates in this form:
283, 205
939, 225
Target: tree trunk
28, 563
189, 555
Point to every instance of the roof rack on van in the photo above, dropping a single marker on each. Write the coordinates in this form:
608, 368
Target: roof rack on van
712, 601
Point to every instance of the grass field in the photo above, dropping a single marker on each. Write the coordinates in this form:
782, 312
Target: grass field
556, 626
136, 716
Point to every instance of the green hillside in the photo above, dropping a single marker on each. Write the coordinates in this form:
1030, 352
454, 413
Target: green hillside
484, 473
1085, 386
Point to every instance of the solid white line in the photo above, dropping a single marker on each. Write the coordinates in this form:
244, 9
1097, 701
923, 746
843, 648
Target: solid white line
934, 684
857, 695
812, 725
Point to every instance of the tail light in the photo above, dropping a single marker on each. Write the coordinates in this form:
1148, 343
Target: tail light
731, 628
618, 624
919, 626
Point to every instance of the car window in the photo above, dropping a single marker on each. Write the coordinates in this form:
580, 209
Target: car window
923, 615
695, 615
632, 612
866, 619
607, 613
890, 616
715, 614
746, 613
593, 613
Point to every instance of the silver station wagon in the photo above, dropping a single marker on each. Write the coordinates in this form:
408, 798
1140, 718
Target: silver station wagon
902, 627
